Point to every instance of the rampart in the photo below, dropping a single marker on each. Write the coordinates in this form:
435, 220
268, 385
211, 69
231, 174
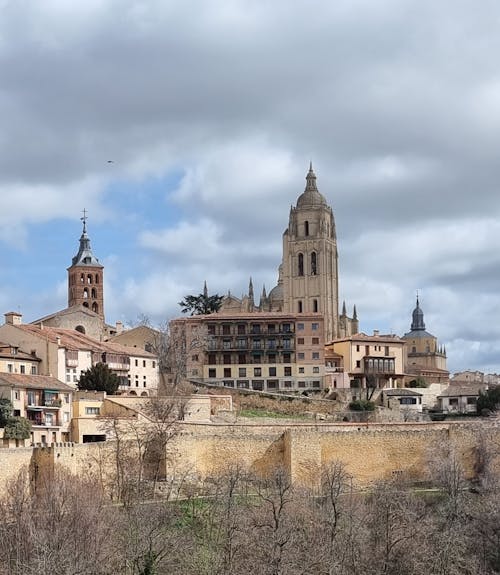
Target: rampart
198, 451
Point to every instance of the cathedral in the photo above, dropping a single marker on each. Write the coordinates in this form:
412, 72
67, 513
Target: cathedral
308, 273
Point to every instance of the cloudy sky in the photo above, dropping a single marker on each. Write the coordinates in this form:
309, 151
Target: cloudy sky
211, 111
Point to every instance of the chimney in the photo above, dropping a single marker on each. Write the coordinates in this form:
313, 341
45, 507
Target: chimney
119, 327
13, 318
376, 332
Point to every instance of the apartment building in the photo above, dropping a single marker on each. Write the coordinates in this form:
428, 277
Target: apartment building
44, 401
264, 351
65, 354
373, 359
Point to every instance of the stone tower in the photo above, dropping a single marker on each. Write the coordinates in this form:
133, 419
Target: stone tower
85, 277
309, 270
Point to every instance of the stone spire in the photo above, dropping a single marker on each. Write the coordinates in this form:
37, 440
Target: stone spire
418, 318
354, 312
205, 290
344, 310
311, 179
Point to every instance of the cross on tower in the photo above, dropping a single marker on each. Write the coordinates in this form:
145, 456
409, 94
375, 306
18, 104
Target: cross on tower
84, 220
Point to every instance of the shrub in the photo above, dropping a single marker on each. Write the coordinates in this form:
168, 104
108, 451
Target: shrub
362, 405
17, 428
419, 382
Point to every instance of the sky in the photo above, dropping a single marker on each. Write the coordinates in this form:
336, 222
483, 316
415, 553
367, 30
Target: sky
185, 129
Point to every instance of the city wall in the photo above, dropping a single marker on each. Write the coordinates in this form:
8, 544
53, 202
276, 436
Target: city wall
198, 451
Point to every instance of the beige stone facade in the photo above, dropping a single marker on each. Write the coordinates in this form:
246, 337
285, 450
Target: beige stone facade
379, 356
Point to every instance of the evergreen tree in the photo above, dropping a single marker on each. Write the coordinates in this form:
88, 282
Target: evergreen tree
99, 378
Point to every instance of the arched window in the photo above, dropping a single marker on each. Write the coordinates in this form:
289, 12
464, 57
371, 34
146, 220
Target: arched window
82, 278
96, 278
95, 307
314, 269
301, 264
85, 293
315, 305
80, 328
94, 293
89, 278
306, 228
85, 304
299, 307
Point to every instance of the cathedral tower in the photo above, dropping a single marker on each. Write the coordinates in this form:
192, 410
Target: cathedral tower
310, 260
85, 277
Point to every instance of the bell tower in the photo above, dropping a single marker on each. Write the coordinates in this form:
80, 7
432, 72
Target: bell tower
85, 276
310, 259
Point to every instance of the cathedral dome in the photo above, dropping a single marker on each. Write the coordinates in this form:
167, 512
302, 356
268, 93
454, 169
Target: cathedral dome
276, 294
311, 198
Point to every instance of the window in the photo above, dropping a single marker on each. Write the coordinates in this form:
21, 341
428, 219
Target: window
315, 369
300, 341
287, 358
286, 343
358, 363
271, 328
301, 355
92, 410
257, 371
22, 369
286, 328
299, 307
212, 359
243, 384
242, 358
357, 348
10, 367
315, 306
315, 340
300, 264
227, 358
315, 355
227, 372
241, 329
143, 363
226, 344
136, 362
272, 358
194, 358
288, 371
314, 269
16, 394
471, 400
315, 326
272, 372
211, 372
407, 400
301, 370
316, 383
93, 293
386, 350
242, 372
306, 228
288, 384
302, 384
300, 327
211, 329
272, 384
255, 328
414, 349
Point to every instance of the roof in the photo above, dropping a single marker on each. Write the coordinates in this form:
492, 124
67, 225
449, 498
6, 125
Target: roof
462, 391
311, 197
5, 352
404, 391
33, 382
387, 338
74, 340
418, 334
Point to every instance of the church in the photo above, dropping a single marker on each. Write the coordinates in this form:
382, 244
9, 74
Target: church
308, 279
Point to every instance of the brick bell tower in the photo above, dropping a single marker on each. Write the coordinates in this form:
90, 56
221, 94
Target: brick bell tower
85, 276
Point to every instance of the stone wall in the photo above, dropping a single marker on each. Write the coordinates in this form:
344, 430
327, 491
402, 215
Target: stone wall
369, 451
